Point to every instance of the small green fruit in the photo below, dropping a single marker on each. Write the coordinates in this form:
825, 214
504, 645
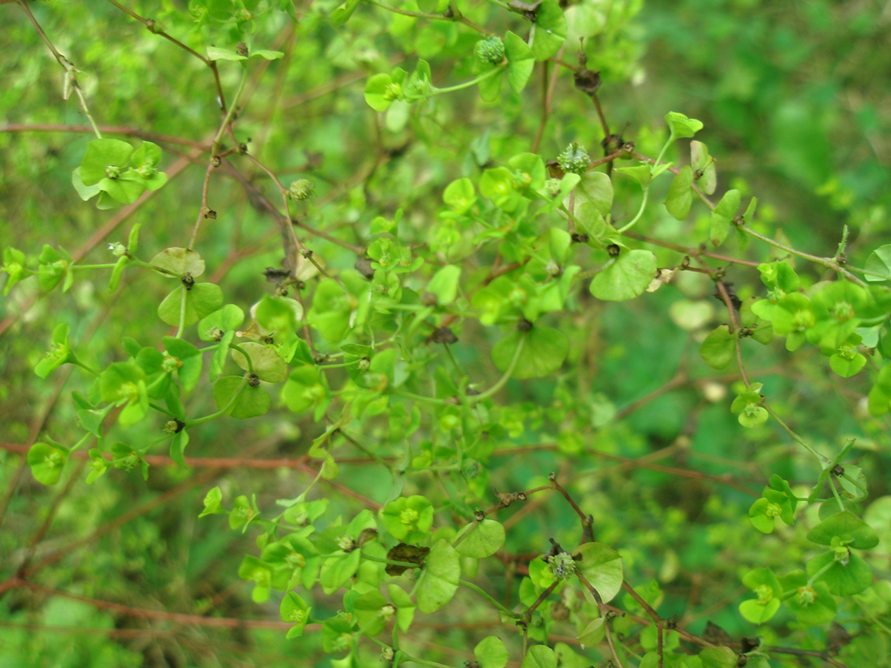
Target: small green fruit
489, 50
574, 159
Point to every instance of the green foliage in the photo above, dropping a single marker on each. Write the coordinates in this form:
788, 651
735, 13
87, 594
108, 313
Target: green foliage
393, 370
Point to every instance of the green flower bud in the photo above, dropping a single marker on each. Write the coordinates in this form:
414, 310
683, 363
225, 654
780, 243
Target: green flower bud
574, 159
489, 50
301, 189
117, 249
562, 565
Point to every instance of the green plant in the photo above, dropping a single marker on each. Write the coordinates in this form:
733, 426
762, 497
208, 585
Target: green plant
522, 395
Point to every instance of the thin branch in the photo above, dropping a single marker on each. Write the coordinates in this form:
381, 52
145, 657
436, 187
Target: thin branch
105, 129
734, 329
153, 27
147, 613
71, 81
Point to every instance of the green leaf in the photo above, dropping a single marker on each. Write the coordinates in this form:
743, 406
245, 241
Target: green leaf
878, 264
549, 30
226, 319
595, 188
236, 397
178, 262
185, 306
704, 166
844, 572
372, 612
640, 173
267, 54
343, 12
47, 461
337, 570
769, 592
723, 215
544, 350
212, 501
681, 126
847, 361
625, 277
218, 53
444, 284
540, 656
408, 518
117, 273
753, 416
264, 361
58, 354
104, 157
381, 90
13, 266
296, 611
847, 528
330, 311
718, 348
520, 61
812, 604
439, 580
480, 539
98, 466
459, 195
680, 194
602, 566
759, 613
497, 184
491, 652
244, 511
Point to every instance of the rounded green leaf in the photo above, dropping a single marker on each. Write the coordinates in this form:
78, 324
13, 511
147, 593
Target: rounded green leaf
380, 91
718, 348
756, 612
47, 461
264, 361
540, 656
179, 262
459, 195
439, 581
101, 156
481, 539
236, 396
681, 126
278, 314
549, 30
680, 194
844, 572
602, 566
490, 652
372, 612
228, 318
878, 264
408, 517
519, 61
444, 284
184, 306
626, 277
294, 610
544, 350
847, 528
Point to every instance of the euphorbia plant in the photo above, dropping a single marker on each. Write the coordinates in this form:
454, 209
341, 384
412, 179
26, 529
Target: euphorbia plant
433, 306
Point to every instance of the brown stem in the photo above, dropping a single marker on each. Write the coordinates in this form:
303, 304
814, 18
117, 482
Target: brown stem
734, 329
105, 129
146, 613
